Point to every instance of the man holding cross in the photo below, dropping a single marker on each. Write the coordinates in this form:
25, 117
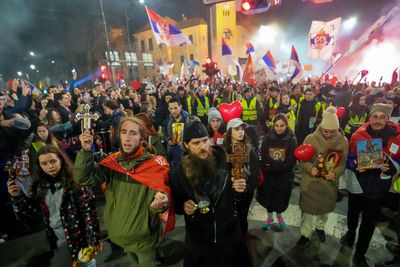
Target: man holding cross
205, 193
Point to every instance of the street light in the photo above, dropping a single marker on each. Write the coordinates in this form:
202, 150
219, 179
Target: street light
141, 1
52, 62
32, 67
19, 73
32, 54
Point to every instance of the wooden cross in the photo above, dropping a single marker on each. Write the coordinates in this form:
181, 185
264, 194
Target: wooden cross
86, 118
237, 158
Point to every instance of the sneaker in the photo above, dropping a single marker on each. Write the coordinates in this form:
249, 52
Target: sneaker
348, 239
267, 225
321, 235
281, 221
303, 242
359, 260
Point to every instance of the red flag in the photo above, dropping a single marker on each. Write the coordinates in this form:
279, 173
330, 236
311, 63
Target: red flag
136, 84
152, 173
248, 72
395, 77
364, 73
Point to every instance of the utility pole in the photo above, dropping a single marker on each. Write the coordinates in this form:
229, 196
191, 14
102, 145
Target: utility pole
107, 41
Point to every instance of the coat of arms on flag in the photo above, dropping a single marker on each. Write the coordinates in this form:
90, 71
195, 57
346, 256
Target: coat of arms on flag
322, 38
165, 32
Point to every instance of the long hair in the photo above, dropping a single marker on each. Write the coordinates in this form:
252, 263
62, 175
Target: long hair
65, 174
51, 139
282, 117
228, 140
142, 131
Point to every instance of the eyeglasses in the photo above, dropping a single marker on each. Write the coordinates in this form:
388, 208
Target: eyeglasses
380, 118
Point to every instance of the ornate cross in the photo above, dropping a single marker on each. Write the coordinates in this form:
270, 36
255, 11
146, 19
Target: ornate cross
11, 171
237, 158
86, 118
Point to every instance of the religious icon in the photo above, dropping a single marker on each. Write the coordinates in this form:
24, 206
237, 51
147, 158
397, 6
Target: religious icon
277, 153
177, 132
327, 162
369, 154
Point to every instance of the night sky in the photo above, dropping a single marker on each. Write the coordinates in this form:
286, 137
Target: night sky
57, 30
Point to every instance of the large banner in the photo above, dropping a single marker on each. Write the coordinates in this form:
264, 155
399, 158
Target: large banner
322, 38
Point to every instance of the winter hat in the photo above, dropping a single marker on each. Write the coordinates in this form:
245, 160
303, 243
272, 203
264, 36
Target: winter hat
213, 113
194, 129
385, 108
329, 119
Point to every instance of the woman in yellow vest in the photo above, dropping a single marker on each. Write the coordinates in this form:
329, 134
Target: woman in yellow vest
286, 107
356, 115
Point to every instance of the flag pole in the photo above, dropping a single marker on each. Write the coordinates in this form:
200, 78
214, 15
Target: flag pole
331, 66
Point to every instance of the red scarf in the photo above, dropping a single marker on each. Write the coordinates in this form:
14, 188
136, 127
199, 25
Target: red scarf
152, 173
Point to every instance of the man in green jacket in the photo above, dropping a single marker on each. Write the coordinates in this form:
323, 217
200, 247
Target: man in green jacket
136, 190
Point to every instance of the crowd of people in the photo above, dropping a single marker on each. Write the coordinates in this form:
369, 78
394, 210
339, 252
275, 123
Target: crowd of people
165, 149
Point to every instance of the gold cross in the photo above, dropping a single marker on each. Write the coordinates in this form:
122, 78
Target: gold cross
86, 118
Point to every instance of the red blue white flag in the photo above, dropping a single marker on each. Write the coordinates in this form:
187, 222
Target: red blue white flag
298, 69
165, 32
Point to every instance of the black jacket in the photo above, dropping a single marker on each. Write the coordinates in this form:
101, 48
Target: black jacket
219, 228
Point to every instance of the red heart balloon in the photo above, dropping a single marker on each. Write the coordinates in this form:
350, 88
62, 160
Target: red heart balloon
304, 152
230, 111
340, 111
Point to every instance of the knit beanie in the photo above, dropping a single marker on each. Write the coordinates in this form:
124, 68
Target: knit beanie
194, 129
213, 113
385, 108
329, 119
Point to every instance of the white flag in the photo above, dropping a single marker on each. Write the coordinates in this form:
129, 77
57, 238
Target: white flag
322, 38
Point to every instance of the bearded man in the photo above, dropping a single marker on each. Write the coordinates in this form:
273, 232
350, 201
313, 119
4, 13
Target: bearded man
205, 194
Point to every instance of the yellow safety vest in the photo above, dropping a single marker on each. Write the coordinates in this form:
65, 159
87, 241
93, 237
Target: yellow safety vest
354, 122
189, 104
201, 110
318, 107
272, 105
249, 113
218, 100
291, 117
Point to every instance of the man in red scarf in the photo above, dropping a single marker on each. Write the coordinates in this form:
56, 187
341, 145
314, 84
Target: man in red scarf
137, 195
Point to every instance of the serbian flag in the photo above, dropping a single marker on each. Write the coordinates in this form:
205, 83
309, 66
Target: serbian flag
248, 72
227, 57
250, 48
268, 60
164, 32
298, 70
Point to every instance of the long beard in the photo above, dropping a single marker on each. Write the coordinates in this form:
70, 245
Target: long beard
198, 170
